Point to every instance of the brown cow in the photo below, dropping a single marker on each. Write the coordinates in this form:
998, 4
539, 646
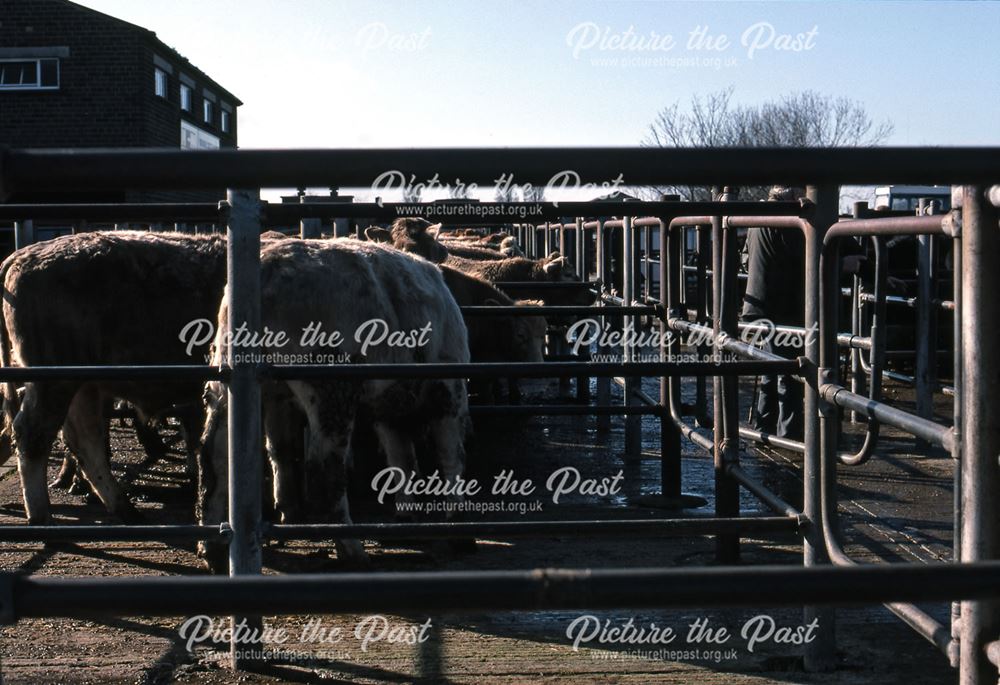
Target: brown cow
344, 286
115, 298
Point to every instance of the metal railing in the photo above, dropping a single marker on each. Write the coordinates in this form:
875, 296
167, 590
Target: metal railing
974, 440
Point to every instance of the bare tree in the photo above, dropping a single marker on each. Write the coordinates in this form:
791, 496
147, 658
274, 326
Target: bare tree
804, 119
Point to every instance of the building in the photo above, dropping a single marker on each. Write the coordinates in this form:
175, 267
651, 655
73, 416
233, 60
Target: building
73, 77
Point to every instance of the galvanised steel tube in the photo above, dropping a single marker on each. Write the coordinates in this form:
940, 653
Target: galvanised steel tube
980, 429
925, 429
112, 533
245, 467
145, 168
474, 591
561, 410
828, 288
525, 369
777, 504
192, 372
725, 432
553, 310
820, 655
174, 212
527, 529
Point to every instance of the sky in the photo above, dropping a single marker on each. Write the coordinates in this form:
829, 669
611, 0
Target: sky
340, 73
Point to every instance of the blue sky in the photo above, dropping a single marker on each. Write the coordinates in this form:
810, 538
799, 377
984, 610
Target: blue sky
339, 73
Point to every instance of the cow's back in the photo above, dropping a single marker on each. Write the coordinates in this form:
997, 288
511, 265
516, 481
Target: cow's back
110, 298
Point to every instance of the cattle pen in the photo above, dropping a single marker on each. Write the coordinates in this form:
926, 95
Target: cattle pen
827, 577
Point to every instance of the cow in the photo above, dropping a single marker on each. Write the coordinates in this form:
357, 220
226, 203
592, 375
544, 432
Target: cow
343, 286
501, 338
459, 248
103, 298
411, 234
510, 248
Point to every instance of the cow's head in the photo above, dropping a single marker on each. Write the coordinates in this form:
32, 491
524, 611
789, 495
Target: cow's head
412, 234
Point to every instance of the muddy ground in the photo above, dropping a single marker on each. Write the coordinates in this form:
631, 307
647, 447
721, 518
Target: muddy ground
898, 507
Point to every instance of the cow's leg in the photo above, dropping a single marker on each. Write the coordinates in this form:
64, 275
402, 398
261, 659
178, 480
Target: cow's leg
399, 453
87, 431
38, 421
283, 428
330, 409
66, 474
213, 477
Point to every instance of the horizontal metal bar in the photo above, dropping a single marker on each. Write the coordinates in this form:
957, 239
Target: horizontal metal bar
111, 533
194, 372
471, 591
546, 285
772, 500
504, 213
555, 310
172, 212
561, 410
527, 529
149, 168
899, 225
772, 440
934, 433
529, 370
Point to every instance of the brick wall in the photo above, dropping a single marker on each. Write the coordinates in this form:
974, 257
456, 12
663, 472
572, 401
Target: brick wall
106, 96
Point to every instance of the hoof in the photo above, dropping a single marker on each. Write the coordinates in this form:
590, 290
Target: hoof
79, 488
62, 482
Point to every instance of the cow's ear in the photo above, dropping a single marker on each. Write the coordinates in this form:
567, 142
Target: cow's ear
434, 230
378, 235
554, 268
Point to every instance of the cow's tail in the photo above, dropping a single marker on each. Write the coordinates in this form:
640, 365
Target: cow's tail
11, 400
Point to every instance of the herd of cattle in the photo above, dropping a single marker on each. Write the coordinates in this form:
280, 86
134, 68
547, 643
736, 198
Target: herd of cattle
121, 298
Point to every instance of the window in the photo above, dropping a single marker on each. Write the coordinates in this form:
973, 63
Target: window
160, 82
29, 74
209, 112
186, 97
224, 121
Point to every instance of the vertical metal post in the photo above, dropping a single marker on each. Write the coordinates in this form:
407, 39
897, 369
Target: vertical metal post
725, 265
820, 654
245, 460
957, 411
980, 431
582, 382
548, 239
24, 233
926, 337
603, 389
633, 423
703, 296
670, 276
858, 378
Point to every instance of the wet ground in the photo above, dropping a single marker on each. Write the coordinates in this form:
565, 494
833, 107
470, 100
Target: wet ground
898, 507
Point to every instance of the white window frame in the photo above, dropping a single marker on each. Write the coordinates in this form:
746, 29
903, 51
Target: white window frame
37, 85
187, 103
208, 111
225, 119
160, 75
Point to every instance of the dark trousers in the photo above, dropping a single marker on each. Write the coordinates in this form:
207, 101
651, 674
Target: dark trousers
779, 401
